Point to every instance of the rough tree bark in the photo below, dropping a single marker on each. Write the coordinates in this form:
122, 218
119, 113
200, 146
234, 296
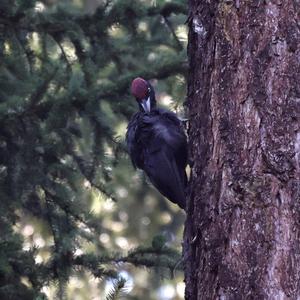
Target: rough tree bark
243, 217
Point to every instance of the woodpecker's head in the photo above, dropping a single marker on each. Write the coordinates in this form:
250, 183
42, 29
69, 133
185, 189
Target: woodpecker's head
144, 94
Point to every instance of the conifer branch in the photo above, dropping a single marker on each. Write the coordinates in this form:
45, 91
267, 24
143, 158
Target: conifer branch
83, 58
120, 86
86, 172
168, 8
64, 55
170, 27
37, 23
28, 52
143, 256
56, 268
38, 94
67, 209
117, 289
161, 71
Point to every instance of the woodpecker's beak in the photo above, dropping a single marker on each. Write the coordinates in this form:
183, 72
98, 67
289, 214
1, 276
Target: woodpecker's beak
146, 105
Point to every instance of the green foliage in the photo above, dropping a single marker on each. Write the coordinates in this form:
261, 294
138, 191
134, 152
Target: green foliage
158, 242
64, 78
115, 292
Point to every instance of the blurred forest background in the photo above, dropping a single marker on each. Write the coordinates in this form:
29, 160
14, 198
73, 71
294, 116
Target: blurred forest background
77, 221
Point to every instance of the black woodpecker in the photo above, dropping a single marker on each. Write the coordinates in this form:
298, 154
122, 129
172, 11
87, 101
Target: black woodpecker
157, 144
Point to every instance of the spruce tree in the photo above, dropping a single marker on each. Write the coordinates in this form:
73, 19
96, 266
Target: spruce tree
64, 77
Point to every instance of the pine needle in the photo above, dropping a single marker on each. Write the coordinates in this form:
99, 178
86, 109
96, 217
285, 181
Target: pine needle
117, 289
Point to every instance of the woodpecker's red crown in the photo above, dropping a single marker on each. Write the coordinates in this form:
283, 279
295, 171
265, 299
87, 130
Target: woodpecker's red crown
139, 88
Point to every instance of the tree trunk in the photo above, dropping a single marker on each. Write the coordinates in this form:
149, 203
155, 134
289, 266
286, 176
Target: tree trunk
243, 217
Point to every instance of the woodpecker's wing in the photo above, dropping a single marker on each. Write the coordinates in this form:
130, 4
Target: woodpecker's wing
170, 130
165, 175
165, 157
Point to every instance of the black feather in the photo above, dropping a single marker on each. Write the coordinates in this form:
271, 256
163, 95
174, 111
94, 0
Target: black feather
157, 144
